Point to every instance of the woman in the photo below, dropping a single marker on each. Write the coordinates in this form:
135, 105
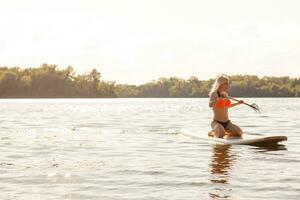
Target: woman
219, 102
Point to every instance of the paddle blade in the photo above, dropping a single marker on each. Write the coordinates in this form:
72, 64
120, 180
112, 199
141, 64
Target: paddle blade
255, 107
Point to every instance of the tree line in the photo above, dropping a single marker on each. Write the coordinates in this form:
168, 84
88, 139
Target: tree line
48, 81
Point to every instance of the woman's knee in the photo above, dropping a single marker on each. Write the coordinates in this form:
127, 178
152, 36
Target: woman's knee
235, 130
238, 133
219, 131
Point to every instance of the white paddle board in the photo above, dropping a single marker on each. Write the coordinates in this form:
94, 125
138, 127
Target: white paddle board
246, 139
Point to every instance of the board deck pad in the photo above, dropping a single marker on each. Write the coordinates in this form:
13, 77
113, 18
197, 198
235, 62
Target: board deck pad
246, 139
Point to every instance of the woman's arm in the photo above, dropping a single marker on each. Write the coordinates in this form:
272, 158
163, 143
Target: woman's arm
235, 104
213, 99
225, 96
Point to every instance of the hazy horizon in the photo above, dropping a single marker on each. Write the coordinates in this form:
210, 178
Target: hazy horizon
134, 42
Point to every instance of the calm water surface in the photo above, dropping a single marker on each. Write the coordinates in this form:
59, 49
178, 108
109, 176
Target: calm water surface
133, 149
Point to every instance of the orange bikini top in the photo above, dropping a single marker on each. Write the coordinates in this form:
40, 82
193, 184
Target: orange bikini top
222, 102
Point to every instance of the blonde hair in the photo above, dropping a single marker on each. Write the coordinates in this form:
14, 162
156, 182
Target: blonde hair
218, 82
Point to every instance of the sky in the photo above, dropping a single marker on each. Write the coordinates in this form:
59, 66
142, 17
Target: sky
136, 41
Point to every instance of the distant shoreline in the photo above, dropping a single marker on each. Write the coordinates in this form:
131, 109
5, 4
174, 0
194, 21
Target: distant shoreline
47, 81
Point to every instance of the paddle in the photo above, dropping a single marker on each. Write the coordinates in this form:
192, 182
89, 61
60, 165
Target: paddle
254, 106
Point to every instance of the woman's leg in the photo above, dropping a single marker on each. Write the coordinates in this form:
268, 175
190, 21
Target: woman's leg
218, 129
234, 129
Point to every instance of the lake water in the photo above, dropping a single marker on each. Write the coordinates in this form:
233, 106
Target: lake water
133, 149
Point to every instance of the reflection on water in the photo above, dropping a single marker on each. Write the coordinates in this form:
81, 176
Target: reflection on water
277, 147
220, 167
